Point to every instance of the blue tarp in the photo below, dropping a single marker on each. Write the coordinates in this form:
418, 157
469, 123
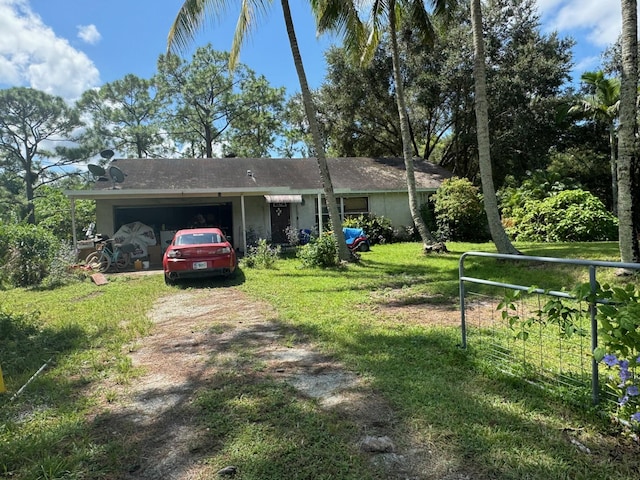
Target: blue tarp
350, 234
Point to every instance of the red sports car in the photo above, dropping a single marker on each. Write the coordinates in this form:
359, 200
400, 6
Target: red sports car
198, 252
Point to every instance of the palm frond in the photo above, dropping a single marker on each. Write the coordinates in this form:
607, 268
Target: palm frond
190, 18
194, 14
342, 17
419, 16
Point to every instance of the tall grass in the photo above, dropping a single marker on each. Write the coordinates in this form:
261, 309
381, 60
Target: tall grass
495, 426
80, 330
449, 404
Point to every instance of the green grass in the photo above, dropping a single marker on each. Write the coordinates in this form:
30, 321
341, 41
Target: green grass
472, 418
82, 329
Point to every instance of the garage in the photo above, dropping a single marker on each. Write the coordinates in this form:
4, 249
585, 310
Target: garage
168, 218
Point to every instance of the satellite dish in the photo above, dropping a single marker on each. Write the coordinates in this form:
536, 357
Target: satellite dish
96, 170
117, 175
107, 154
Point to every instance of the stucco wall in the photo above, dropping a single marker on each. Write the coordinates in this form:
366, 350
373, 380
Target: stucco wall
393, 206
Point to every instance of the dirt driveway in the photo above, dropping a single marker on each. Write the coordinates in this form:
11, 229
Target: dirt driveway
198, 332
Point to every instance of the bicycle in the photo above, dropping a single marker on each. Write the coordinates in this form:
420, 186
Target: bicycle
110, 254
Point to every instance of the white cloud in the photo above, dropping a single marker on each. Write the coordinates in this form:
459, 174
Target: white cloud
587, 64
600, 21
31, 54
89, 34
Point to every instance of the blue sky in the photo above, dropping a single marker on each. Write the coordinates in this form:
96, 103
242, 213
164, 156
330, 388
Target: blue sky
67, 46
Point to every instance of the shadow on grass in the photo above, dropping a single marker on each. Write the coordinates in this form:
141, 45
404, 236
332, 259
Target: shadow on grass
25, 345
237, 278
495, 427
245, 418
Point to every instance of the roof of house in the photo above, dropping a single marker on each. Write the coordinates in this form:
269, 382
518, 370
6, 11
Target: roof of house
262, 175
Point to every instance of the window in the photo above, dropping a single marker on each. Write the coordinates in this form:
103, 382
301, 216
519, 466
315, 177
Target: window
198, 239
354, 206
347, 206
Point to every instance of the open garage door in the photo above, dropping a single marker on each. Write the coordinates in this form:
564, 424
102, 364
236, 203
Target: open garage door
168, 218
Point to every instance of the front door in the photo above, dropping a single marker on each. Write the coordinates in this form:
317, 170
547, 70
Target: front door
280, 220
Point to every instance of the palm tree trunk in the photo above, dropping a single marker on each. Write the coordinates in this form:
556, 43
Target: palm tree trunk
307, 100
407, 149
627, 129
613, 147
498, 235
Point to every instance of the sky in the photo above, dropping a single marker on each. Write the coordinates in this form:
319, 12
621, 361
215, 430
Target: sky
65, 47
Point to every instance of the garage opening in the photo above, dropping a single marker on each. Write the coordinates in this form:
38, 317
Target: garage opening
171, 218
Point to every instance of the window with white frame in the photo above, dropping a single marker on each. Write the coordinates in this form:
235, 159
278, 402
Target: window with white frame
348, 207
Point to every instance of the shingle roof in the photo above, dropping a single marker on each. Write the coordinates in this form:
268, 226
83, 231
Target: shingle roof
276, 175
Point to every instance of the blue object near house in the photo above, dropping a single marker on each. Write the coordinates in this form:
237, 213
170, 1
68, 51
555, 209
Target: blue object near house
304, 235
356, 239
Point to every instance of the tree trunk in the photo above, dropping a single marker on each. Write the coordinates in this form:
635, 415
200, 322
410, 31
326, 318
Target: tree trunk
29, 182
407, 149
208, 142
498, 235
627, 128
309, 107
613, 147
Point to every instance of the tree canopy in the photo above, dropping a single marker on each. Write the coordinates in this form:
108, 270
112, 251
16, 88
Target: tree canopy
33, 127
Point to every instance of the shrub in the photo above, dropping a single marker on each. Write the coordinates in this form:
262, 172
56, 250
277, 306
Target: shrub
618, 317
262, 255
567, 216
378, 229
52, 209
539, 185
319, 252
27, 254
61, 268
459, 212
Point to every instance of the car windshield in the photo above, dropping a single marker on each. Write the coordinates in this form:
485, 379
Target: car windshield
198, 238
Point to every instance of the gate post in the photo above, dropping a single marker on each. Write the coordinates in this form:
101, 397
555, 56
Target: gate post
593, 310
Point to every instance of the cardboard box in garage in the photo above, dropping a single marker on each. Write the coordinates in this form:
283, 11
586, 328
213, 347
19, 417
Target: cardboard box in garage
155, 255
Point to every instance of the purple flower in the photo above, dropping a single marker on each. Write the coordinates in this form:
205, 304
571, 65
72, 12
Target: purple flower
625, 374
623, 401
636, 417
610, 359
633, 391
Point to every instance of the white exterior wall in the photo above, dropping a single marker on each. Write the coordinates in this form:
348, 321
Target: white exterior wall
256, 218
393, 206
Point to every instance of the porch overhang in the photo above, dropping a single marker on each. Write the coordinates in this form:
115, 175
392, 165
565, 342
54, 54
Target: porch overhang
283, 198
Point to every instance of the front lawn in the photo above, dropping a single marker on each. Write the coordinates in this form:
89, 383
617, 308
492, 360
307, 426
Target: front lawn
447, 400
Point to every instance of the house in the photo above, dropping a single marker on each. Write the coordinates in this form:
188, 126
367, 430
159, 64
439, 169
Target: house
251, 198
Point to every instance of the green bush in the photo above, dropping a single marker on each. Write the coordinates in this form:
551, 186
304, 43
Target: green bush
378, 229
539, 185
567, 216
27, 253
319, 252
459, 211
53, 207
262, 255
60, 270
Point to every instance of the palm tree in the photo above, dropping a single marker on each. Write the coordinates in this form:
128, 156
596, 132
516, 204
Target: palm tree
343, 16
604, 106
189, 20
627, 130
498, 235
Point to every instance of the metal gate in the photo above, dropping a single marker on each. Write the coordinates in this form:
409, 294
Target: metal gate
542, 356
